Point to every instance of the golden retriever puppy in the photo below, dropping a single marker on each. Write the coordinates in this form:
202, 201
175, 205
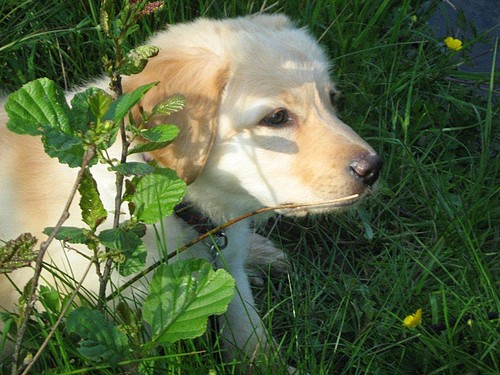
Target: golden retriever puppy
258, 130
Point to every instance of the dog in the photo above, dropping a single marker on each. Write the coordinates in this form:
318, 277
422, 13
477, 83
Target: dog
259, 129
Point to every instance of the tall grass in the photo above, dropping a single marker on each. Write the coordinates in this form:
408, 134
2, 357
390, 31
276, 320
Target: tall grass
428, 238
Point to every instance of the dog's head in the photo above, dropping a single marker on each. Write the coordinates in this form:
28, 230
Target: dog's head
259, 127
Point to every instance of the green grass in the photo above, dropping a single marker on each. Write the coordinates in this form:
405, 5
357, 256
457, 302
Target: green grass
428, 238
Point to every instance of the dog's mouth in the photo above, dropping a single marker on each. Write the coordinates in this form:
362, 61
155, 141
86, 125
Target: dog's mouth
302, 209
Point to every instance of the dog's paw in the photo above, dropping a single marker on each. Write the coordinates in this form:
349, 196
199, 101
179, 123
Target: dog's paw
265, 258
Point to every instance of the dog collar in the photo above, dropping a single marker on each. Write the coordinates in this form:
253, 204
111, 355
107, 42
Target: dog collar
202, 224
194, 218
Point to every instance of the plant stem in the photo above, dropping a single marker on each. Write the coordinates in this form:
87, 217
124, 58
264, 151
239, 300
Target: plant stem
89, 154
59, 320
116, 218
336, 202
116, 84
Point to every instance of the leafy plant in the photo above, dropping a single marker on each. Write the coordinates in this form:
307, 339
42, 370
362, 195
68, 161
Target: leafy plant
182, 295
428, 239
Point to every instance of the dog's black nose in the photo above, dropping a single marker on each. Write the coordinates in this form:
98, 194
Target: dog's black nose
367, 168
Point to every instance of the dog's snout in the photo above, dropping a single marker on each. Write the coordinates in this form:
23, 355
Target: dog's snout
367, 168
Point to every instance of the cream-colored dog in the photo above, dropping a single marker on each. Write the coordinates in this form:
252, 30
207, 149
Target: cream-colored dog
259, 129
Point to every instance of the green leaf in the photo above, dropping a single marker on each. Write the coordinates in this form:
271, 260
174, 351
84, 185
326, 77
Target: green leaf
50, 299
120, 239
38, 103
182, 296
99, 103
93, 211
160, 133
100, 341
135, 261
171, 105
136, 59
87, 108
148, 147
81, 114
17, 253
138, 228
68, 148
39, 107
127, 242
156, 195
69, 234
119, 109
157, 137
134, 169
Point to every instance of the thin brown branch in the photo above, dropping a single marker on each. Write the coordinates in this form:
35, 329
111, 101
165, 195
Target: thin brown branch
103, 282
334, 203
116, 85
58, 321
89, 154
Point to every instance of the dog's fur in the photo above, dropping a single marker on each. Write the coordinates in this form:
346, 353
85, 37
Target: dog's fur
233, 73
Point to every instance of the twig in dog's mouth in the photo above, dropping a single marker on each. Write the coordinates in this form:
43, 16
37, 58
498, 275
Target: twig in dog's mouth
339, 202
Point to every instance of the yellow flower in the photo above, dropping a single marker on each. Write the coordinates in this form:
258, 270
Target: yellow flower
413, 320
452, 43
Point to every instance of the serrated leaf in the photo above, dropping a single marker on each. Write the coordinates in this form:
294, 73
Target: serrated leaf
156, 195
135, 261
81, 114
138, 228
38, 103
100, 340
120, 239
67, 148
86, 108
50, 298
171, 105
160, 133
136, 59
148, 147
99, 103
158, 137
182, 296
40, 107
127, 242
69, 234
93, 211
134, 169
120, 107
18, 253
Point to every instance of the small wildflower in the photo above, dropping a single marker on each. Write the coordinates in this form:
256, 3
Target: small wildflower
452, 43
413, 320
413, 19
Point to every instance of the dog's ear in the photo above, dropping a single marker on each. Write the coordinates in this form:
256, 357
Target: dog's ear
272, 21
199, 76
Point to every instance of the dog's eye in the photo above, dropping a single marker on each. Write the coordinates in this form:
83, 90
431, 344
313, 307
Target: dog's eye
277, 118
